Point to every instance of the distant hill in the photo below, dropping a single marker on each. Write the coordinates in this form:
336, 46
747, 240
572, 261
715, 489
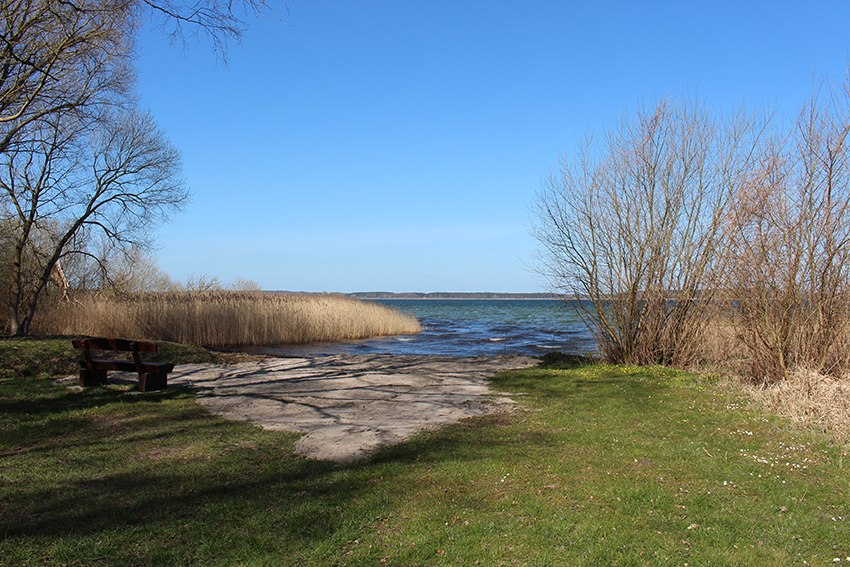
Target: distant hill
452, 295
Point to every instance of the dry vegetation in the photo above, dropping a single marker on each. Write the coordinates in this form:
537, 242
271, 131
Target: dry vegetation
635, 224
684, 228
813, 399
807, 397
223, 318
701, 239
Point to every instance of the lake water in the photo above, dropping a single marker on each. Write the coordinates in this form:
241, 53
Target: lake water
471, 327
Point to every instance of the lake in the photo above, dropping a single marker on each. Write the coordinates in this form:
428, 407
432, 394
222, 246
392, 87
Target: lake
471, 327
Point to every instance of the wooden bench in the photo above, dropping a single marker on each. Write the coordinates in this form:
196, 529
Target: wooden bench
152, 375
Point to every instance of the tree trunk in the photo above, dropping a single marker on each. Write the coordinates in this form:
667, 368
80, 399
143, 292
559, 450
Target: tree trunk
14, 328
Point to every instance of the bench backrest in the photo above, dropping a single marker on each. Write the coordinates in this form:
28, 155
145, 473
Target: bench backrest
123, 345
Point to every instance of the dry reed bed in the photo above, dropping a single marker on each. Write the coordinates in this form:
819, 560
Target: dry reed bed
221, 319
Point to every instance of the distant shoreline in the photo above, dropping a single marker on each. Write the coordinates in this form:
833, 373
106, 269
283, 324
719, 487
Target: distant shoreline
458, 296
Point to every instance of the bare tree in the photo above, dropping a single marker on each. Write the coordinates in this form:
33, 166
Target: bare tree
218, 20
633, 226
73, 56
201, 283
117, 177
77, 159
60, 57
245, 284
109, 267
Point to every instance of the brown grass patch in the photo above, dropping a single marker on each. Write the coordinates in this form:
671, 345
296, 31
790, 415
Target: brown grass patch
810, 398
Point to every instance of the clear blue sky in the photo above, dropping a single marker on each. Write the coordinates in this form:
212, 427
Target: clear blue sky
399, 145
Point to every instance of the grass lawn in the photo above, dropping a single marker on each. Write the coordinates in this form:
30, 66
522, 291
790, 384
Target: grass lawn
605, 465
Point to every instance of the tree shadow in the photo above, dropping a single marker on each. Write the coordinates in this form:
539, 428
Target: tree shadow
151, 487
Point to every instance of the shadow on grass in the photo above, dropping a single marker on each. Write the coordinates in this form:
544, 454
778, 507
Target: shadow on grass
161, 494
19, 400
233, 479
22, 404
36, 422
157, 467
562, 361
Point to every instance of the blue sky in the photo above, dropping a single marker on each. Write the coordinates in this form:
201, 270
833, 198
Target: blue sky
399, 145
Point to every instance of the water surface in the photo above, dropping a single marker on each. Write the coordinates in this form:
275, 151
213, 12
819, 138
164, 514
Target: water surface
470, 327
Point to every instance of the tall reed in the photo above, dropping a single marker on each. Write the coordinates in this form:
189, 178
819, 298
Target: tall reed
226, 318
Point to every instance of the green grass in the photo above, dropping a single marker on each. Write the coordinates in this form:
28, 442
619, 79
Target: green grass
606, 465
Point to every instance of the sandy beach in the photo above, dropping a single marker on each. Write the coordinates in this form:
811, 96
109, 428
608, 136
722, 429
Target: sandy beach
349, 405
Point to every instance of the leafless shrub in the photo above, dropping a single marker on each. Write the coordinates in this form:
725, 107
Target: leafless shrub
245, 284
789, 248
202, 283
634, 225
717, 346
119, 270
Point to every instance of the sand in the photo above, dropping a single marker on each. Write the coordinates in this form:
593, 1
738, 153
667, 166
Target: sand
349, 405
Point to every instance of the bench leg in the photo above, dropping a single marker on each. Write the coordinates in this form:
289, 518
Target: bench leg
151, 381
86, 378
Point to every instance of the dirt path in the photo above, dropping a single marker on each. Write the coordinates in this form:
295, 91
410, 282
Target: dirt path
349, 405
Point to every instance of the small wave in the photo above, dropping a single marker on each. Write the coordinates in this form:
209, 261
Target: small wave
404, 339
497, 339
503, 329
